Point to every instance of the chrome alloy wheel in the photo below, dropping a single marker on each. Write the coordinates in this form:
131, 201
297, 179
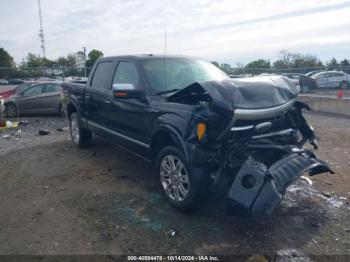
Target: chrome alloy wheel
174, 178
74, 130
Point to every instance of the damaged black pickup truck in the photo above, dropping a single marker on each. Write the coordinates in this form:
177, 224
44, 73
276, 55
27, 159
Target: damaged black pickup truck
204, 132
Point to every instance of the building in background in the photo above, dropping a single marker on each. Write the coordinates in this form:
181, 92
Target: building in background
80, 59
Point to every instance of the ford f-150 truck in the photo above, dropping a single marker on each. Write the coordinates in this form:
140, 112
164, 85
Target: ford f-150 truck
204, 132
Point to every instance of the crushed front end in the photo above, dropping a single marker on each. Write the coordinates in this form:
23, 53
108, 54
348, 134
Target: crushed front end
253, 154
261, 154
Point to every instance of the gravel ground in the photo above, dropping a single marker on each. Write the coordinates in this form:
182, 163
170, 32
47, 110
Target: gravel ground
57, 199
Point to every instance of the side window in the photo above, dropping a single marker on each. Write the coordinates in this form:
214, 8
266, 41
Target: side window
324, 75
102, 75
125, 76
337, 75
34, 90
51, 88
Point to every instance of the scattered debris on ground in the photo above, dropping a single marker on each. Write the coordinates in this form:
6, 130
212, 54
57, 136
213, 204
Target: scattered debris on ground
102, 200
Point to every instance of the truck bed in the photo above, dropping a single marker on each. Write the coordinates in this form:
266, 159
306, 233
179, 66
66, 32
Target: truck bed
74, 88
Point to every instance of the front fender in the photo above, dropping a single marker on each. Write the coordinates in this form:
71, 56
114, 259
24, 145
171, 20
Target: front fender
175, 136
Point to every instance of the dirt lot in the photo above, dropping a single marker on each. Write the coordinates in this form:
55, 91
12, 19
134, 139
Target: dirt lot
56, 199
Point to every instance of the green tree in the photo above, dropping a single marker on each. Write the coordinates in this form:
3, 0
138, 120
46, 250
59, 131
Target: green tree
260, 63
5, 59
69, 61
296, 60
258, 66
215, 64
226, 68
92, 57
333, 63
33, 60
345, 62
62, 61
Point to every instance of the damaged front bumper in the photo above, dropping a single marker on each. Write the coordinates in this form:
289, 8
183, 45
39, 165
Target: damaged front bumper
257, 190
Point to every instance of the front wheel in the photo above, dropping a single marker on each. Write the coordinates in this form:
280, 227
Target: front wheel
182, 185
81, 137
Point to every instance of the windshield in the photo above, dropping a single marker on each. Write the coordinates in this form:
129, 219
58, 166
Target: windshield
177, 73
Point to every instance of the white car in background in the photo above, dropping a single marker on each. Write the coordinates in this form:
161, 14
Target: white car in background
332, 79
3, 82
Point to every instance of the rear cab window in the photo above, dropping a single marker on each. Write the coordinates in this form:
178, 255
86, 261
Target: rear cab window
102, 75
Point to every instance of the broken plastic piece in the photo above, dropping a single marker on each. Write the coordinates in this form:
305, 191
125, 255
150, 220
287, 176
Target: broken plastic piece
43, 132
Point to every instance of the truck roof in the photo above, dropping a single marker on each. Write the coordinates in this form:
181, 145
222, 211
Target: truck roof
144, 57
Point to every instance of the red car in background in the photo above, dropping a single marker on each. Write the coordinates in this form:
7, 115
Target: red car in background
14, 90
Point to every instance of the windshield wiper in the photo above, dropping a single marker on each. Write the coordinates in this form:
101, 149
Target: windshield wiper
166, 91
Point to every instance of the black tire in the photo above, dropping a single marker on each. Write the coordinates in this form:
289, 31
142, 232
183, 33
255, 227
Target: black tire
84, 137
198, 186
11, 110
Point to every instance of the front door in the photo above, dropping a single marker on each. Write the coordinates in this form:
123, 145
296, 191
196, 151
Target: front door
126, 116
29, 100
322, 80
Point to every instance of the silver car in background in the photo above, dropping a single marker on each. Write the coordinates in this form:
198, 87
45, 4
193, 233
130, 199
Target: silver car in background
39, 98
332, 79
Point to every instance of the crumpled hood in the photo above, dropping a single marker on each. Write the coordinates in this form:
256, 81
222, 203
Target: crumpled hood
245, 93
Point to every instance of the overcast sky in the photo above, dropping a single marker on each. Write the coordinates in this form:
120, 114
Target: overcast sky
222, 30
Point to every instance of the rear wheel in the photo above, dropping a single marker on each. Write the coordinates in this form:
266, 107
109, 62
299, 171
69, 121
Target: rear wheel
81, 137
182, 185
11, 110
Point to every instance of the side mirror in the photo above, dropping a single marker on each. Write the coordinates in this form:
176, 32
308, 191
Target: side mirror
125, 91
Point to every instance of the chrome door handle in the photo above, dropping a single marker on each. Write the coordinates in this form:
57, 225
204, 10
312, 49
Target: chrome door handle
107, 101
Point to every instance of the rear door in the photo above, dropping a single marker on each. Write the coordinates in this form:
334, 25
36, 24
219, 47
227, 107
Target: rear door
335, 79
95, 95
322, 80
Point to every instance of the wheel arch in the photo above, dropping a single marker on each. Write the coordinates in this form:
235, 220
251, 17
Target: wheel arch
72, 107
165, 136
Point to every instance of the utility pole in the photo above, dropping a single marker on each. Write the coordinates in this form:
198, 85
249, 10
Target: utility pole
84, 48
41, 31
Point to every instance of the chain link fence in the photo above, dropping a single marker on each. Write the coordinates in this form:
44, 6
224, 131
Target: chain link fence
62, 72
80, 73
32, 73
257, 71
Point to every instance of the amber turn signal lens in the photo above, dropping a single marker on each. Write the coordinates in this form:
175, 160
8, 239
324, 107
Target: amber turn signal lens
201, 130
120, 94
